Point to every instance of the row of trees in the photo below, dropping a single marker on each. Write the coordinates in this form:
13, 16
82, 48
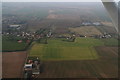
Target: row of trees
43, 35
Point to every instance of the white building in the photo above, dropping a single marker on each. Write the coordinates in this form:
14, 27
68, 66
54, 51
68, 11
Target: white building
14, 26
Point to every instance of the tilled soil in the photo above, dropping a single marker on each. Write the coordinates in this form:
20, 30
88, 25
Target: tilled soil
12, 64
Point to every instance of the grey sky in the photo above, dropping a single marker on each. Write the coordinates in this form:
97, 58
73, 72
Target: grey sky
54, 0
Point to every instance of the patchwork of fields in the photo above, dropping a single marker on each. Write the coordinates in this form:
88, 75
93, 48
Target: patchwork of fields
86, 30
56, 49
79, 59
12, 64
104, 67
12, 44
60, 58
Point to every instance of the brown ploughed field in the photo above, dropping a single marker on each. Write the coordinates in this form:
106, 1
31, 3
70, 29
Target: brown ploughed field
12, 64
104, 67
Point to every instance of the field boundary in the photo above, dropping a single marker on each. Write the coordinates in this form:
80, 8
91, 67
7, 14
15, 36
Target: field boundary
26, 48
27, 54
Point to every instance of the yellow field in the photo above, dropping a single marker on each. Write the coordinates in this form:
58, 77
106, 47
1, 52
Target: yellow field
56, 49
86, 30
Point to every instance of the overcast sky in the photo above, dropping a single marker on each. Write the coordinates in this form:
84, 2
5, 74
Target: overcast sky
54, 0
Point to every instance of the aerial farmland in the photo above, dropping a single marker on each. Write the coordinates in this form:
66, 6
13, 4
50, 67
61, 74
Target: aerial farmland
81, 58
56, 49
71, 40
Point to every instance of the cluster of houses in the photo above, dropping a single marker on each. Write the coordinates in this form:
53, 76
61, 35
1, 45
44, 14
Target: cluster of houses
91, 24
98, 36
11, 19
25, 35
104, 35
34, 36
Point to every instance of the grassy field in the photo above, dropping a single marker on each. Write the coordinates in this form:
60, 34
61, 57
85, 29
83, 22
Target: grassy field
12, 45
111, 42
56, 49
104, 67
86, 30
79, 59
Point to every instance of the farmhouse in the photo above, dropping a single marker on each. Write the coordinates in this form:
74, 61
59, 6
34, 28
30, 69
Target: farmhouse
96, 23
102, 36
106, 36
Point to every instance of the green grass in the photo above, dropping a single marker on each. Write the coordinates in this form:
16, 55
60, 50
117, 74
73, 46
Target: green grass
12, 45
111, 42
56, 49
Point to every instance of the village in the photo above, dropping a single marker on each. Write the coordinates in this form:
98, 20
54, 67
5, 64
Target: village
15, 30
58, 40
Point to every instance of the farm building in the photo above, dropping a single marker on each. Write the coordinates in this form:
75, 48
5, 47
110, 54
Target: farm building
15, 26
91, 24
96, 23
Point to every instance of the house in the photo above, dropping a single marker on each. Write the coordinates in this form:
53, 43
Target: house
96, 23
19, 41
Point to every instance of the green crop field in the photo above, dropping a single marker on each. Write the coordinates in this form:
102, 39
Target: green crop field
111, 42
56, 49
12, 45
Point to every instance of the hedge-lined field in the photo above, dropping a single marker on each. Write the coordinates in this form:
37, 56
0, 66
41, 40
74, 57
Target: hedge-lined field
56, 49
111, 42
12, 44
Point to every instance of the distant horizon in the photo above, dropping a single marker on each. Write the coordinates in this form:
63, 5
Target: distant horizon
58, 0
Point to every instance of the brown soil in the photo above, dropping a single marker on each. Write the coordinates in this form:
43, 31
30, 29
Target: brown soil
104, 67
12, 64
107, 24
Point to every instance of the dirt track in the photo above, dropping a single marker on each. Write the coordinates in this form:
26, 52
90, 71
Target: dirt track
13, 64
